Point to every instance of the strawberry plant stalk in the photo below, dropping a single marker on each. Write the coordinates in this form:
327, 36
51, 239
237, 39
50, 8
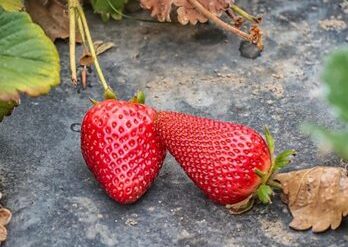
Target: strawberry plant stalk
72, 40
76, 13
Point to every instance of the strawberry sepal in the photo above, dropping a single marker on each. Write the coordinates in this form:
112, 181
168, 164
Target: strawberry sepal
265, 190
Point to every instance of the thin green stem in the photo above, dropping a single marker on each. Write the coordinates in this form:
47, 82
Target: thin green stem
72, 40
246, 15
82, 32
91, 47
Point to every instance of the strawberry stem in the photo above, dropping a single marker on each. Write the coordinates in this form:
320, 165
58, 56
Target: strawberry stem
76, 13
72, 40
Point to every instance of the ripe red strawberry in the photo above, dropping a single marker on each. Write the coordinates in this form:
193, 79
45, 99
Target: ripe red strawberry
121, 148
220, 157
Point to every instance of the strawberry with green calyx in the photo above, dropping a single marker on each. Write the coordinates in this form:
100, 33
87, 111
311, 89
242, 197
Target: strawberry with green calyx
118, 139
121, 148
221, 158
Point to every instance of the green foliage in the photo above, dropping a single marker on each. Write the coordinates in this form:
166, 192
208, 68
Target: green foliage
283, 159
335, 77
6, 108
11, 5
270, 141
29, 60
264, 193
109, 8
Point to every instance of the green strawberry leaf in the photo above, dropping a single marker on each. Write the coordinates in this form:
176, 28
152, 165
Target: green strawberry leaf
6, 108
335, 77
329, 140
109, 8
29, 60
270, 141
283, 159
11, 5
264, 193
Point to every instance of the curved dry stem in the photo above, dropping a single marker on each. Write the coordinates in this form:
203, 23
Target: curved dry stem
213, 18
255, 33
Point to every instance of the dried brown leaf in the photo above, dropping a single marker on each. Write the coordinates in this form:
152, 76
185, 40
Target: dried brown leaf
159, 8
241, 207
86, 59
186, 12
317, 197
5, 216
3, 233
52, 16
101, 47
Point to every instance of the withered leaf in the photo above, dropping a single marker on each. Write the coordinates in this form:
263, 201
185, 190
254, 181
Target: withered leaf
317, 197
100, 47
159, 8
5, 216
3, 233
52, 16
241, 207
186, 12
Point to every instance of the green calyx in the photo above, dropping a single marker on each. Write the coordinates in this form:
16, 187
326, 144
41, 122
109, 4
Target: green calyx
139, 98
265, 191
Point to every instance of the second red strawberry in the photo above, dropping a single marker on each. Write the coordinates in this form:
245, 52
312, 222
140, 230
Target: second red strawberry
220, 157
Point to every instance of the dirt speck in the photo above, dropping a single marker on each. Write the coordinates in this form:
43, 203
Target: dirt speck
278, 232
131, 222
88, 214
344, 6
184, 234
332, 24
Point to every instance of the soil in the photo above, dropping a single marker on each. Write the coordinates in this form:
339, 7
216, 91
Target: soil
195, 69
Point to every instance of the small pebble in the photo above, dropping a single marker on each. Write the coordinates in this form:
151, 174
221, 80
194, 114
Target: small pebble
249, 50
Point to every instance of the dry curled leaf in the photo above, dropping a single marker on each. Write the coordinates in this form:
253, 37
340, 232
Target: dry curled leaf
159, 8
5, 216
317, 197
241, 207
52, 16
186, 12
100, 47
3, 233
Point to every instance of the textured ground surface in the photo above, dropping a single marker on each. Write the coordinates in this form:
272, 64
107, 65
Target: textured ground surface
56, 201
